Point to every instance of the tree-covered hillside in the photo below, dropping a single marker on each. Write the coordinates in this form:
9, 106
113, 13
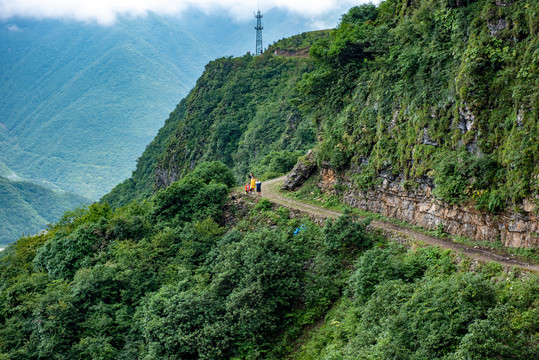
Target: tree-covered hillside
27, 208
5, 171
243, 111
195, 272
437, 91
169, 278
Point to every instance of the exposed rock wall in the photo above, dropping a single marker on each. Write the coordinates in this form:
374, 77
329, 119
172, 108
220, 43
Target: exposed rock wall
301, 172
164, 177
419, 207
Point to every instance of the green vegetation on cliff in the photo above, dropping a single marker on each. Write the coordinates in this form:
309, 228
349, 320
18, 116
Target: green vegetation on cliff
242, 112
414, 305
437, 88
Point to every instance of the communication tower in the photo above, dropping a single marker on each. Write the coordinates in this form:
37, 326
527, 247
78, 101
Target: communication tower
258, 28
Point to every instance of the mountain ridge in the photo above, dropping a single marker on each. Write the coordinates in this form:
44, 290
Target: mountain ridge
230, 116
392, 112
28, 208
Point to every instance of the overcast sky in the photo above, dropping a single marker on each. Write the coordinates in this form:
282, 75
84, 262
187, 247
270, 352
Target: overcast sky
105, 11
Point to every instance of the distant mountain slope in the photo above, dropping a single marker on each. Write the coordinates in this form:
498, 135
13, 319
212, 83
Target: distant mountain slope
4, 170
27, 208
80, 102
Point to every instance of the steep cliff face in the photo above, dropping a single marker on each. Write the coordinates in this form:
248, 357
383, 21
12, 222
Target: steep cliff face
515, 228
428, 112
443, 89
238, 113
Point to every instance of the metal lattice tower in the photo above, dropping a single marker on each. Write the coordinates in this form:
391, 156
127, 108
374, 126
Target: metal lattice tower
258, 28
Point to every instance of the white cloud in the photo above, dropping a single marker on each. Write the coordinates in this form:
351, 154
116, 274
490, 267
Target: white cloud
105, 11
13, 28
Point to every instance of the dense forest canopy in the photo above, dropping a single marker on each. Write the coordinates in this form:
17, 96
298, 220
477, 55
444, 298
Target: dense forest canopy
168, 279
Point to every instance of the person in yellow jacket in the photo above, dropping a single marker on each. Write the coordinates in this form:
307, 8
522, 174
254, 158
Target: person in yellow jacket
253, 182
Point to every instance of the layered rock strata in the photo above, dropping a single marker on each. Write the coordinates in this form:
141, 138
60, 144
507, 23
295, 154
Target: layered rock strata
518, 228
419, 207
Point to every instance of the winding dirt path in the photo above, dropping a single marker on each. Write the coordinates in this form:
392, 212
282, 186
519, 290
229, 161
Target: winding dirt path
271, 192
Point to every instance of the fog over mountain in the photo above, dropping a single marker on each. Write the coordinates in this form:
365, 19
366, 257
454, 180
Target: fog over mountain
106, 11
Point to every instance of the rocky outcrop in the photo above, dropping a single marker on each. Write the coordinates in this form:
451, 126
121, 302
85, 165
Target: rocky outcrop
235, 209
496, 26
503, 3
164, 177
420, 207
427, 140
301, 172
466, 119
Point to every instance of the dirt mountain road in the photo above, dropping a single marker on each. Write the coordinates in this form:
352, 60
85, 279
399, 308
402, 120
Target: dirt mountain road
271, 192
